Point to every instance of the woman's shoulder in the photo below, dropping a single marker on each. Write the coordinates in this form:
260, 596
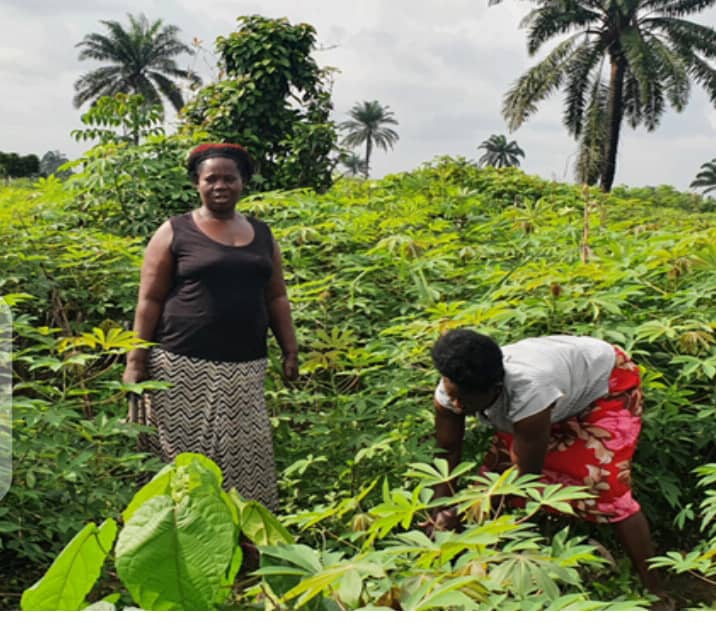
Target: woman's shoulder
261, 227
255, 220
179, 219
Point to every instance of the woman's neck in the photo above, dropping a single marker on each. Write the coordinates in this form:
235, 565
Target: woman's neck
223, 215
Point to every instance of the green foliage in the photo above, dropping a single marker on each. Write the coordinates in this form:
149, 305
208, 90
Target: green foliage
499, 561
132, 189
44, 247
120, 118
178, 550
275, 100
74, 571
375, 270
189, 532
700, 561
178, 547
663, 196
136, 177
72, 456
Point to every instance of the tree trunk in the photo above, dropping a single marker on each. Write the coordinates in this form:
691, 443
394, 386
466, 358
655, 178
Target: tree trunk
585, 251
368, 149
615, 112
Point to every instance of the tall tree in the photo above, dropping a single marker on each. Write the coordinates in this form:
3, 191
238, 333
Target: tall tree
500, 153
620, 59
141, 61
706, 178
51, 161
367, 125
275, 100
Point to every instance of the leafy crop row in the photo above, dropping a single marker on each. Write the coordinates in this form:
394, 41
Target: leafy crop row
376, 270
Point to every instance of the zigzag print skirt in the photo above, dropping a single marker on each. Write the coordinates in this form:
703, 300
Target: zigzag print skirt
216, 408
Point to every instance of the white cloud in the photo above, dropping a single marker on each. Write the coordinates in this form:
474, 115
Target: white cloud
442, 67
711, 115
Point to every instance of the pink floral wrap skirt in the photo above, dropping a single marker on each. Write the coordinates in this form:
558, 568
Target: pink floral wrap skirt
593, 449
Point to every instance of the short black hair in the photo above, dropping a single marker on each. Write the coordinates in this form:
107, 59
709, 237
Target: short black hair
471, 360
233, 151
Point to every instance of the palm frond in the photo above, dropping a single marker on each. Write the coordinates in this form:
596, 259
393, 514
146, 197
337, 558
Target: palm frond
701, 72
706, 178
499, 152
578, 73
536, 84
594, 135
94, 84
672, 72
168, 89
683, 33
556, 18
644, 66
678, 7
633, 109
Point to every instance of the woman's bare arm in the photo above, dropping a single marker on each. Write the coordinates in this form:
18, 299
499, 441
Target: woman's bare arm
155, 282
280, 321
530, 442
449, 435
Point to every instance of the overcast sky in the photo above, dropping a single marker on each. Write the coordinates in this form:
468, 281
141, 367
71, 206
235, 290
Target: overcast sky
441, 66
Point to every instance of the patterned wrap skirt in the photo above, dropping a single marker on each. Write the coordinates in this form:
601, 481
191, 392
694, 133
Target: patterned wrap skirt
593, 449
216, 408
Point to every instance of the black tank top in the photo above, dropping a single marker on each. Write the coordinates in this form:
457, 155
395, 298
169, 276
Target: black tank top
216, 309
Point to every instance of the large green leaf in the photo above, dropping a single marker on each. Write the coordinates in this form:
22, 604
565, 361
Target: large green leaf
175, 556
179, 551
159, 485
74, 572
437, 593
206, 472
258, 523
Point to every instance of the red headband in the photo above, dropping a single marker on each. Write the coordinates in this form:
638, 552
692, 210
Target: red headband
207, 146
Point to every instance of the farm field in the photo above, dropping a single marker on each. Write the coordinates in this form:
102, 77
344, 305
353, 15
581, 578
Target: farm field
376, 270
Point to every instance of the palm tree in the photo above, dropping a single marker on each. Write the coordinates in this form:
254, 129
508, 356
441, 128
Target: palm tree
354, 164
500, 153
141, 62
366, 125
620, 59
706, 178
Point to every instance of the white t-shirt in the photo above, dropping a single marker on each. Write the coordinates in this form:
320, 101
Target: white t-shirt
571, 372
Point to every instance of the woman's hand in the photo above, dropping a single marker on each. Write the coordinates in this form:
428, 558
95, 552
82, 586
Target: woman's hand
290, 366
135, 373
445, 519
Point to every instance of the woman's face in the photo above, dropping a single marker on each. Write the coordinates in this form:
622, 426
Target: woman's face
470, 402
219, 183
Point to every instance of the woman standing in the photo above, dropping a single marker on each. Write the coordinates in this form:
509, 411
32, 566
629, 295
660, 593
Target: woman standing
211, 286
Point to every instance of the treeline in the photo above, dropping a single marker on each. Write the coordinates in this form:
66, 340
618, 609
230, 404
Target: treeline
15, 165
